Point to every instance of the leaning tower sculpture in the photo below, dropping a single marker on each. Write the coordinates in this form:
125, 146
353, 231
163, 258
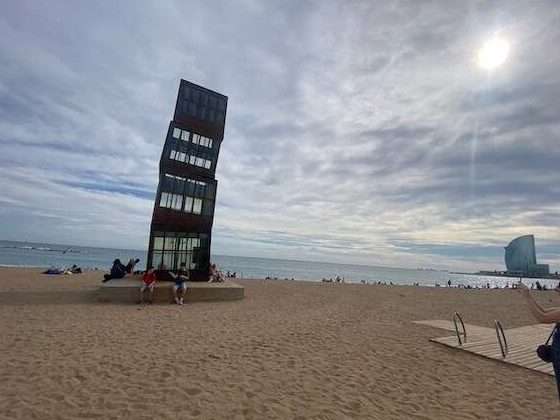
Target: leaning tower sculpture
181, 228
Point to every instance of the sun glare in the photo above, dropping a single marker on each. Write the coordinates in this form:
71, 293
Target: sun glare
493, 53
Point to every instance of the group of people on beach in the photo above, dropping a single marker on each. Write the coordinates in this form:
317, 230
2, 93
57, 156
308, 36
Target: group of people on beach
337, 279
277, 278
537, 285
72, 270
178, 279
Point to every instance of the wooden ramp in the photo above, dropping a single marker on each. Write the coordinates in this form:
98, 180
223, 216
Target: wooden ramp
473, 331
522, 343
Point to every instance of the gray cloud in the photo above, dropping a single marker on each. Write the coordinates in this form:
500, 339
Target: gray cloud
356, 132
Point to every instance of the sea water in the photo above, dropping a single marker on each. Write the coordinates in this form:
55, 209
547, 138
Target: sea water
28, 254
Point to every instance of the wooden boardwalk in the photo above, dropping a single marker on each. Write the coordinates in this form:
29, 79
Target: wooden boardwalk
522, 343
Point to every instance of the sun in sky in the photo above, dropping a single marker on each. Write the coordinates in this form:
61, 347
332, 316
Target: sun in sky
493, 53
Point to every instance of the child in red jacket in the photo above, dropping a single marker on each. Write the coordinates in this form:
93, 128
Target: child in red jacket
149, 283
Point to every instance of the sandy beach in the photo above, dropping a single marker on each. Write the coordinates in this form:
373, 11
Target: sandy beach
288, 350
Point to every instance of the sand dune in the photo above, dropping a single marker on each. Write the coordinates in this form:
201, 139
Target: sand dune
288, 350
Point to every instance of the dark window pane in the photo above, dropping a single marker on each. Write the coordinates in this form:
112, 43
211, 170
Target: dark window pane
207, 207
191, 185
167, 184
192, 109
179, 186
211, 191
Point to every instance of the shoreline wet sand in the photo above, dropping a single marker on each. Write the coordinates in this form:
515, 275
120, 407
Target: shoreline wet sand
290, 349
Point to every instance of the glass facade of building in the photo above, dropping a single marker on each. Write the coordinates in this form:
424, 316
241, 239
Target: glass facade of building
173, 248
521, 257
182, 220
520, 253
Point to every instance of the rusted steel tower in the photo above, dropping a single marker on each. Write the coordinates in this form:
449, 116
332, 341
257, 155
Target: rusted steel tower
181, 229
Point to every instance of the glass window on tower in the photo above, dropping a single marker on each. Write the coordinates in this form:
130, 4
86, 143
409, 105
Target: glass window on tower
188, 204
170, 242
158, 242
172, 248
197, 207
192, 109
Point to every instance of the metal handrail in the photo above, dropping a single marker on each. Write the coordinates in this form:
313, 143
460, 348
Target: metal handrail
456, 317
500, 334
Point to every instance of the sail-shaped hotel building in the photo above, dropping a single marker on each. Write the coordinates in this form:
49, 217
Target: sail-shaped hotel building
521, 257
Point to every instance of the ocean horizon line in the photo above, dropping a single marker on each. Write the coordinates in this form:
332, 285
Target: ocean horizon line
385, 267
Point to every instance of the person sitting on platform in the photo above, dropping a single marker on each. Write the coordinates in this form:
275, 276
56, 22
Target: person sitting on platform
180, 286
215, 275
149, 283
131, 263
118, 271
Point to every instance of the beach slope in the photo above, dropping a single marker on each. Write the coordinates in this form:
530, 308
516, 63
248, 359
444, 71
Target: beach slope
288, 350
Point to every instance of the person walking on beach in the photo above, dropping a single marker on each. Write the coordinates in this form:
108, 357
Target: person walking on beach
149, 283
546, 316
180, 286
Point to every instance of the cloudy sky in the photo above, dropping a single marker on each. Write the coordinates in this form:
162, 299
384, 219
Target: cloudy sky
357, 132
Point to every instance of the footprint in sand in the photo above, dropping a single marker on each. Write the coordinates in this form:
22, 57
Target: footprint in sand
193, 391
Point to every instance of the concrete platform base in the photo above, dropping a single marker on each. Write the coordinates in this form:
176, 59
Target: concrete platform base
128, 291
